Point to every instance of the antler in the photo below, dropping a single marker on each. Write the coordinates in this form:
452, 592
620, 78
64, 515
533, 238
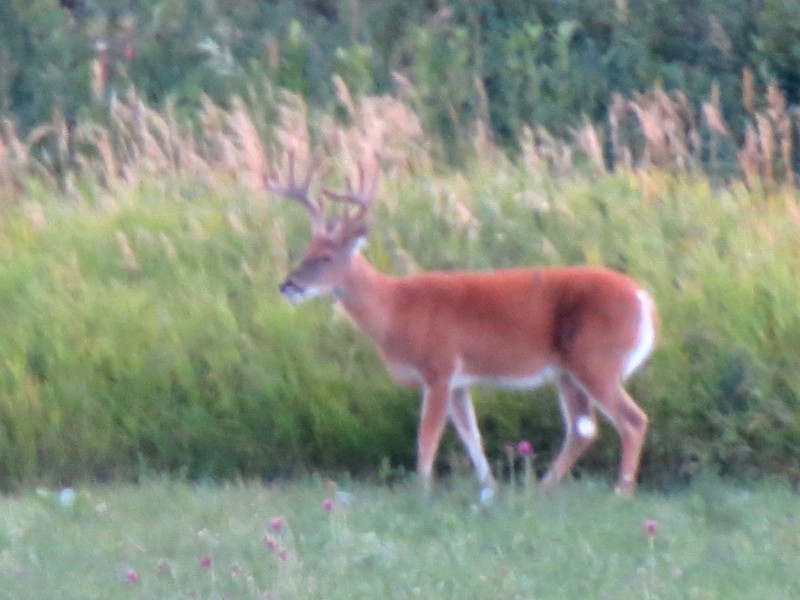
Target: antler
361, 197
300, 192
355, 225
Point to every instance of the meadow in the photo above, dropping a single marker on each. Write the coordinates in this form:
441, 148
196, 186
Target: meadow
313, 538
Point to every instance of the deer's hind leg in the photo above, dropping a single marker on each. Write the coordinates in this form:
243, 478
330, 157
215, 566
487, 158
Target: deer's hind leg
609, 397
579, 424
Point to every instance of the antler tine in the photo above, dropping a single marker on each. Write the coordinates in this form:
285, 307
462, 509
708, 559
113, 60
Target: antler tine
361, 197
299, 192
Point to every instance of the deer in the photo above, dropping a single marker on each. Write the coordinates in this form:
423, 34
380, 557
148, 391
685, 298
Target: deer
583, 329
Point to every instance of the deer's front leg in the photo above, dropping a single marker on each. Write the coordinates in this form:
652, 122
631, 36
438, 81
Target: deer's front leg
431, 426
462, 413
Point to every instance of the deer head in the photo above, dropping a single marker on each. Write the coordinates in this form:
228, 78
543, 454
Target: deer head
335, 240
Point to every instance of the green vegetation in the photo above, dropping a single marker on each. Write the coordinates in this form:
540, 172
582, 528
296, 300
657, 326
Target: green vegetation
139, 254
143, 331
512, 64
169, 540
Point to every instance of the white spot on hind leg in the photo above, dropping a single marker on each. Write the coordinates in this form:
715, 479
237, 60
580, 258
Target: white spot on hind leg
585, 427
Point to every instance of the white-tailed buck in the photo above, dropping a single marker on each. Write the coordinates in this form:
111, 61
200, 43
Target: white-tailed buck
583, 329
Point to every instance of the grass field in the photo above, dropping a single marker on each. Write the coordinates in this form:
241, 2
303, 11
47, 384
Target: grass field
315, 539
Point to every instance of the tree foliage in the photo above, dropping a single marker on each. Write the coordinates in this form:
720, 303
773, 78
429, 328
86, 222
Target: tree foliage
515, 62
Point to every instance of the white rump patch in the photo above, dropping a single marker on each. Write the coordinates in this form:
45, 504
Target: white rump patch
585, 427
647, 335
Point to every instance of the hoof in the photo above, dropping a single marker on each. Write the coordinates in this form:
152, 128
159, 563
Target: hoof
487, 496
548, 482
624, 491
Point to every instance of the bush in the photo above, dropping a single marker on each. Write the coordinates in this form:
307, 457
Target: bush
509, 64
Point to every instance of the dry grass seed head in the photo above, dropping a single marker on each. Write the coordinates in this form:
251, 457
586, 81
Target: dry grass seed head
590, 144
767, 145
748, 89
749, 157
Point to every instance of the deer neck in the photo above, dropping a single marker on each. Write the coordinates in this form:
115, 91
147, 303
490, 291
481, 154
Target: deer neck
365, 295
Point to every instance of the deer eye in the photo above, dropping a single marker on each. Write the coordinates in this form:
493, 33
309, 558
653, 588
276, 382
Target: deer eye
320, 261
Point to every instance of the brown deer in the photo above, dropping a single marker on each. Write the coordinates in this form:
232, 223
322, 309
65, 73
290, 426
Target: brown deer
583, 329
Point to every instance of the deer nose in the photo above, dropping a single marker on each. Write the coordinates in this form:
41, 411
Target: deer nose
290, 288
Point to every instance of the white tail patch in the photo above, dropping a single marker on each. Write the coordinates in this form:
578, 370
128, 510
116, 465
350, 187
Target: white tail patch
647, 335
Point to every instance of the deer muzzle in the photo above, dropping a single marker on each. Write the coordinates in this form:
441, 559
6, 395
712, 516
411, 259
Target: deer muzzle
295, 293
290, 288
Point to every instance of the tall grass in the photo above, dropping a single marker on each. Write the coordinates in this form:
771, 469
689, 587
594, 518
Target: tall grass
142, 329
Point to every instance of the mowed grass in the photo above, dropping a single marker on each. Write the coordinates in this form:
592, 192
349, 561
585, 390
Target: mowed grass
167, 539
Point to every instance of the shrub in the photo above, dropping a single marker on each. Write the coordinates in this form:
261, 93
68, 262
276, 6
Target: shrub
511, 64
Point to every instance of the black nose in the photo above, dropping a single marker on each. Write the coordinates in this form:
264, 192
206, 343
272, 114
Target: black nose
289, 287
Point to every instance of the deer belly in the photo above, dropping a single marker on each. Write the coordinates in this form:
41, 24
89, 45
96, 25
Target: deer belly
464, 374
405, 375
512, 364
516, 381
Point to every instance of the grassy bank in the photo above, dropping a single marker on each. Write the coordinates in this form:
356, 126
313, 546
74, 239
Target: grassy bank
143, 331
